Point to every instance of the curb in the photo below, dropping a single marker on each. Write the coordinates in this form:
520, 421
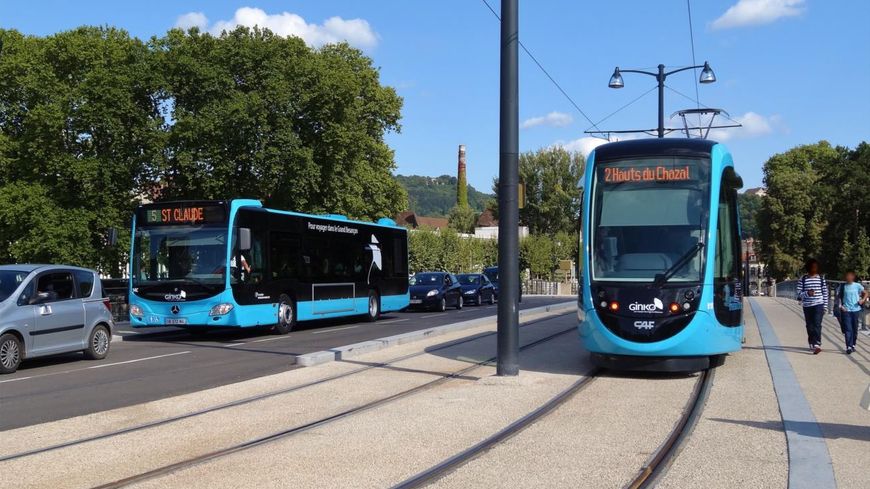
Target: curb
356, 349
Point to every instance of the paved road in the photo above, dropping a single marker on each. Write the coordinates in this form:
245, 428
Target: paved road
148, 366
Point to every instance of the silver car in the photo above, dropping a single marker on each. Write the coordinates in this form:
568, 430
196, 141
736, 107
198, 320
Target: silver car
50, 309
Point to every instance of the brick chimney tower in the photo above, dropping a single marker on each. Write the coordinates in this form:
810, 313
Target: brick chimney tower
461, 181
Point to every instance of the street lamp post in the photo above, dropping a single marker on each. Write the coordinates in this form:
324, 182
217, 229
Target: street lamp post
707, 76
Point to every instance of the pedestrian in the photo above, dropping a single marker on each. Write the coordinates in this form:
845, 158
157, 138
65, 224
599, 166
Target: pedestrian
812, 291
853, 297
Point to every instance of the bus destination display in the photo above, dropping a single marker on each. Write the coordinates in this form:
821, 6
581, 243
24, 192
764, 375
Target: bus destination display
647, 174
187, 214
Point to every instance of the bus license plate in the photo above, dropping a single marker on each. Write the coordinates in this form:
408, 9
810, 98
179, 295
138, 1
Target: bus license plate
416, 301
176, 321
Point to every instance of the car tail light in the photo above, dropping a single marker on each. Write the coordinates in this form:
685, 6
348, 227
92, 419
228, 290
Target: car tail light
107, 303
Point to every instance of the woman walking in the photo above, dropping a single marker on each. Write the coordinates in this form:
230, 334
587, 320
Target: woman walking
812, 291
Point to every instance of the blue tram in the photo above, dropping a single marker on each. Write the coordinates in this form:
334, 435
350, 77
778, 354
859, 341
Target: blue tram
661, 287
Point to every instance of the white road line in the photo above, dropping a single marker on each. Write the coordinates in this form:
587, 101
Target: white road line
284, 337
140, 359
392, 321
433, 315
15, 380
231, 345
334, 329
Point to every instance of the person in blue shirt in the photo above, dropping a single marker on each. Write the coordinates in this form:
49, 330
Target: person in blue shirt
853, 297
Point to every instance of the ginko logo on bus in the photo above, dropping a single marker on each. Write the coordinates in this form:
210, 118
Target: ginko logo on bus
656, 306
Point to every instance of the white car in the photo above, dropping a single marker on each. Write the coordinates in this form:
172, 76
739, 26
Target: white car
51, 309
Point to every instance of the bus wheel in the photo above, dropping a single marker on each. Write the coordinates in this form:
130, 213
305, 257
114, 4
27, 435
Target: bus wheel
286, 315
374, 307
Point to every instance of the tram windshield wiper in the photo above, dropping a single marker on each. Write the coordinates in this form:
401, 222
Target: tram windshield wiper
662, 278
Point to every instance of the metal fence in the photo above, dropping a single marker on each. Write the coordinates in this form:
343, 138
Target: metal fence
547, 287
788, 290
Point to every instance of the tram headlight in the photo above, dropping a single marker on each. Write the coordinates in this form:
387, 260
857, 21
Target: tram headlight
432, 293
614, 306
674, 308
220, 309
135, 310
686, 306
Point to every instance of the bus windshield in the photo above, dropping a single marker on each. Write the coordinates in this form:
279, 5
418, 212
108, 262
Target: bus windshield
194, 255
647, 214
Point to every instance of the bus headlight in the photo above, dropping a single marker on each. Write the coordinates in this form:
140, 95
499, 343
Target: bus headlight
135, 310
220, 309
432, 293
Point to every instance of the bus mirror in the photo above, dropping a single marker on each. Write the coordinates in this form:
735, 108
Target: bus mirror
112, 236
244, 239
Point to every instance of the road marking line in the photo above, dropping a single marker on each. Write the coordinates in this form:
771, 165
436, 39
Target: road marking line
271, 339
140, 359
392, 321
232, 345
433, 315
334, 329
15, 380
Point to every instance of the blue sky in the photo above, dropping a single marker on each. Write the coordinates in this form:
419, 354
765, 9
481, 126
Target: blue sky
794, 71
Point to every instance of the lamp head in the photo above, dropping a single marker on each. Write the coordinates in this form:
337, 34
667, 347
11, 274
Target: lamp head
616, 79
707, 75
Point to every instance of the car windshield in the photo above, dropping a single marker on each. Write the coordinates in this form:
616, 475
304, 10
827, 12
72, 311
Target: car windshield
427, 279
469, 279
9, 281
195, 254
647, 213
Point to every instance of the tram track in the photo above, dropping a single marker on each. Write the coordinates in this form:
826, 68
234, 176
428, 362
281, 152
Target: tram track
646, 477
283, 434
258, 397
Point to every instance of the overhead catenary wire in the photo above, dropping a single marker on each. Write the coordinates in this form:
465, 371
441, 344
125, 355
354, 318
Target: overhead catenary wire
653, 88
546, 73
681, 94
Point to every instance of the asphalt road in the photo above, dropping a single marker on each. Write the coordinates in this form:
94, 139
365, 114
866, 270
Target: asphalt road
147, 366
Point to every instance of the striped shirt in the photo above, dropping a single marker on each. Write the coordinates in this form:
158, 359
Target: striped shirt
818, 285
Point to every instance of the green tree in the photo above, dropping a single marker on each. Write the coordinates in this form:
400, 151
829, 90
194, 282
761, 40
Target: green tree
855, 254
462, 219
551, 177
537, 253
435, 196
794, 214
79, 128
749, 205
259, 115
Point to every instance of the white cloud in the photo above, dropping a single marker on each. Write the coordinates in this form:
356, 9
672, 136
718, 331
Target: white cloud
754, 125
192, 19
758, 12
586, 144
553, 119
357, 32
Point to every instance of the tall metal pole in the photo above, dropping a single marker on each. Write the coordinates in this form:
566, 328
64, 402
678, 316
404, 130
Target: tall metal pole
661, 80
508, 178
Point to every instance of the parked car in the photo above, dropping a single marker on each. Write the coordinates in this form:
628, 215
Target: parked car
476, 288
435, 290
492, 274
50, 309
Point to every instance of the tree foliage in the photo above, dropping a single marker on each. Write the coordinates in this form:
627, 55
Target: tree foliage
462, 219
750, 205
93, 121
817, 205
445, 250
435, 196
551, 177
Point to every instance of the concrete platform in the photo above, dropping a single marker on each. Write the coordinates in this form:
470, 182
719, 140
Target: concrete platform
599, 438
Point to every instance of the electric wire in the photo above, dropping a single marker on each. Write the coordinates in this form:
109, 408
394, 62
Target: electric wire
644, 94
546, 73
681, 94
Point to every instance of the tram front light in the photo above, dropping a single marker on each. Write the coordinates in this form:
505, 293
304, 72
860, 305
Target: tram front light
603, 304
220, 309
686, 306
135, 310
674, 307
614, 306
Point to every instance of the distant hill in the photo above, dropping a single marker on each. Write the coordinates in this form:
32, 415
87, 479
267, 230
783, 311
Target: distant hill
435, 196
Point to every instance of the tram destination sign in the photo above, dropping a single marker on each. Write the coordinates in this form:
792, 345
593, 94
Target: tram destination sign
647, 173
183, 214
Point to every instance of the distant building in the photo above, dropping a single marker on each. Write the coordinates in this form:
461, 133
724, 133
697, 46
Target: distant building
486, 219
756, 270
411, 220
759, 191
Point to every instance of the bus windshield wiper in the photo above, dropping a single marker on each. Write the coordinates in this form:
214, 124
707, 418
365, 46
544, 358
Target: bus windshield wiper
662, 278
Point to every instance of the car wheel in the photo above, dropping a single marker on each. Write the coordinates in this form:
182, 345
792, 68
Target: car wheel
442, 306
10, 353
374, 311
99, 342
286, 315
459, 303
479, 299
491, 298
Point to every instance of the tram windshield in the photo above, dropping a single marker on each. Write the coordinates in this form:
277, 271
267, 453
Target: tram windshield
647, 214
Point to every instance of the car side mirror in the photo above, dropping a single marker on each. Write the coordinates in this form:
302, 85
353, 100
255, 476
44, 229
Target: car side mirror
244, 239
39, 298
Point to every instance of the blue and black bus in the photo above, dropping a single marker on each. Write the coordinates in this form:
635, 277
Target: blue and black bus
236, 263
661, 280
